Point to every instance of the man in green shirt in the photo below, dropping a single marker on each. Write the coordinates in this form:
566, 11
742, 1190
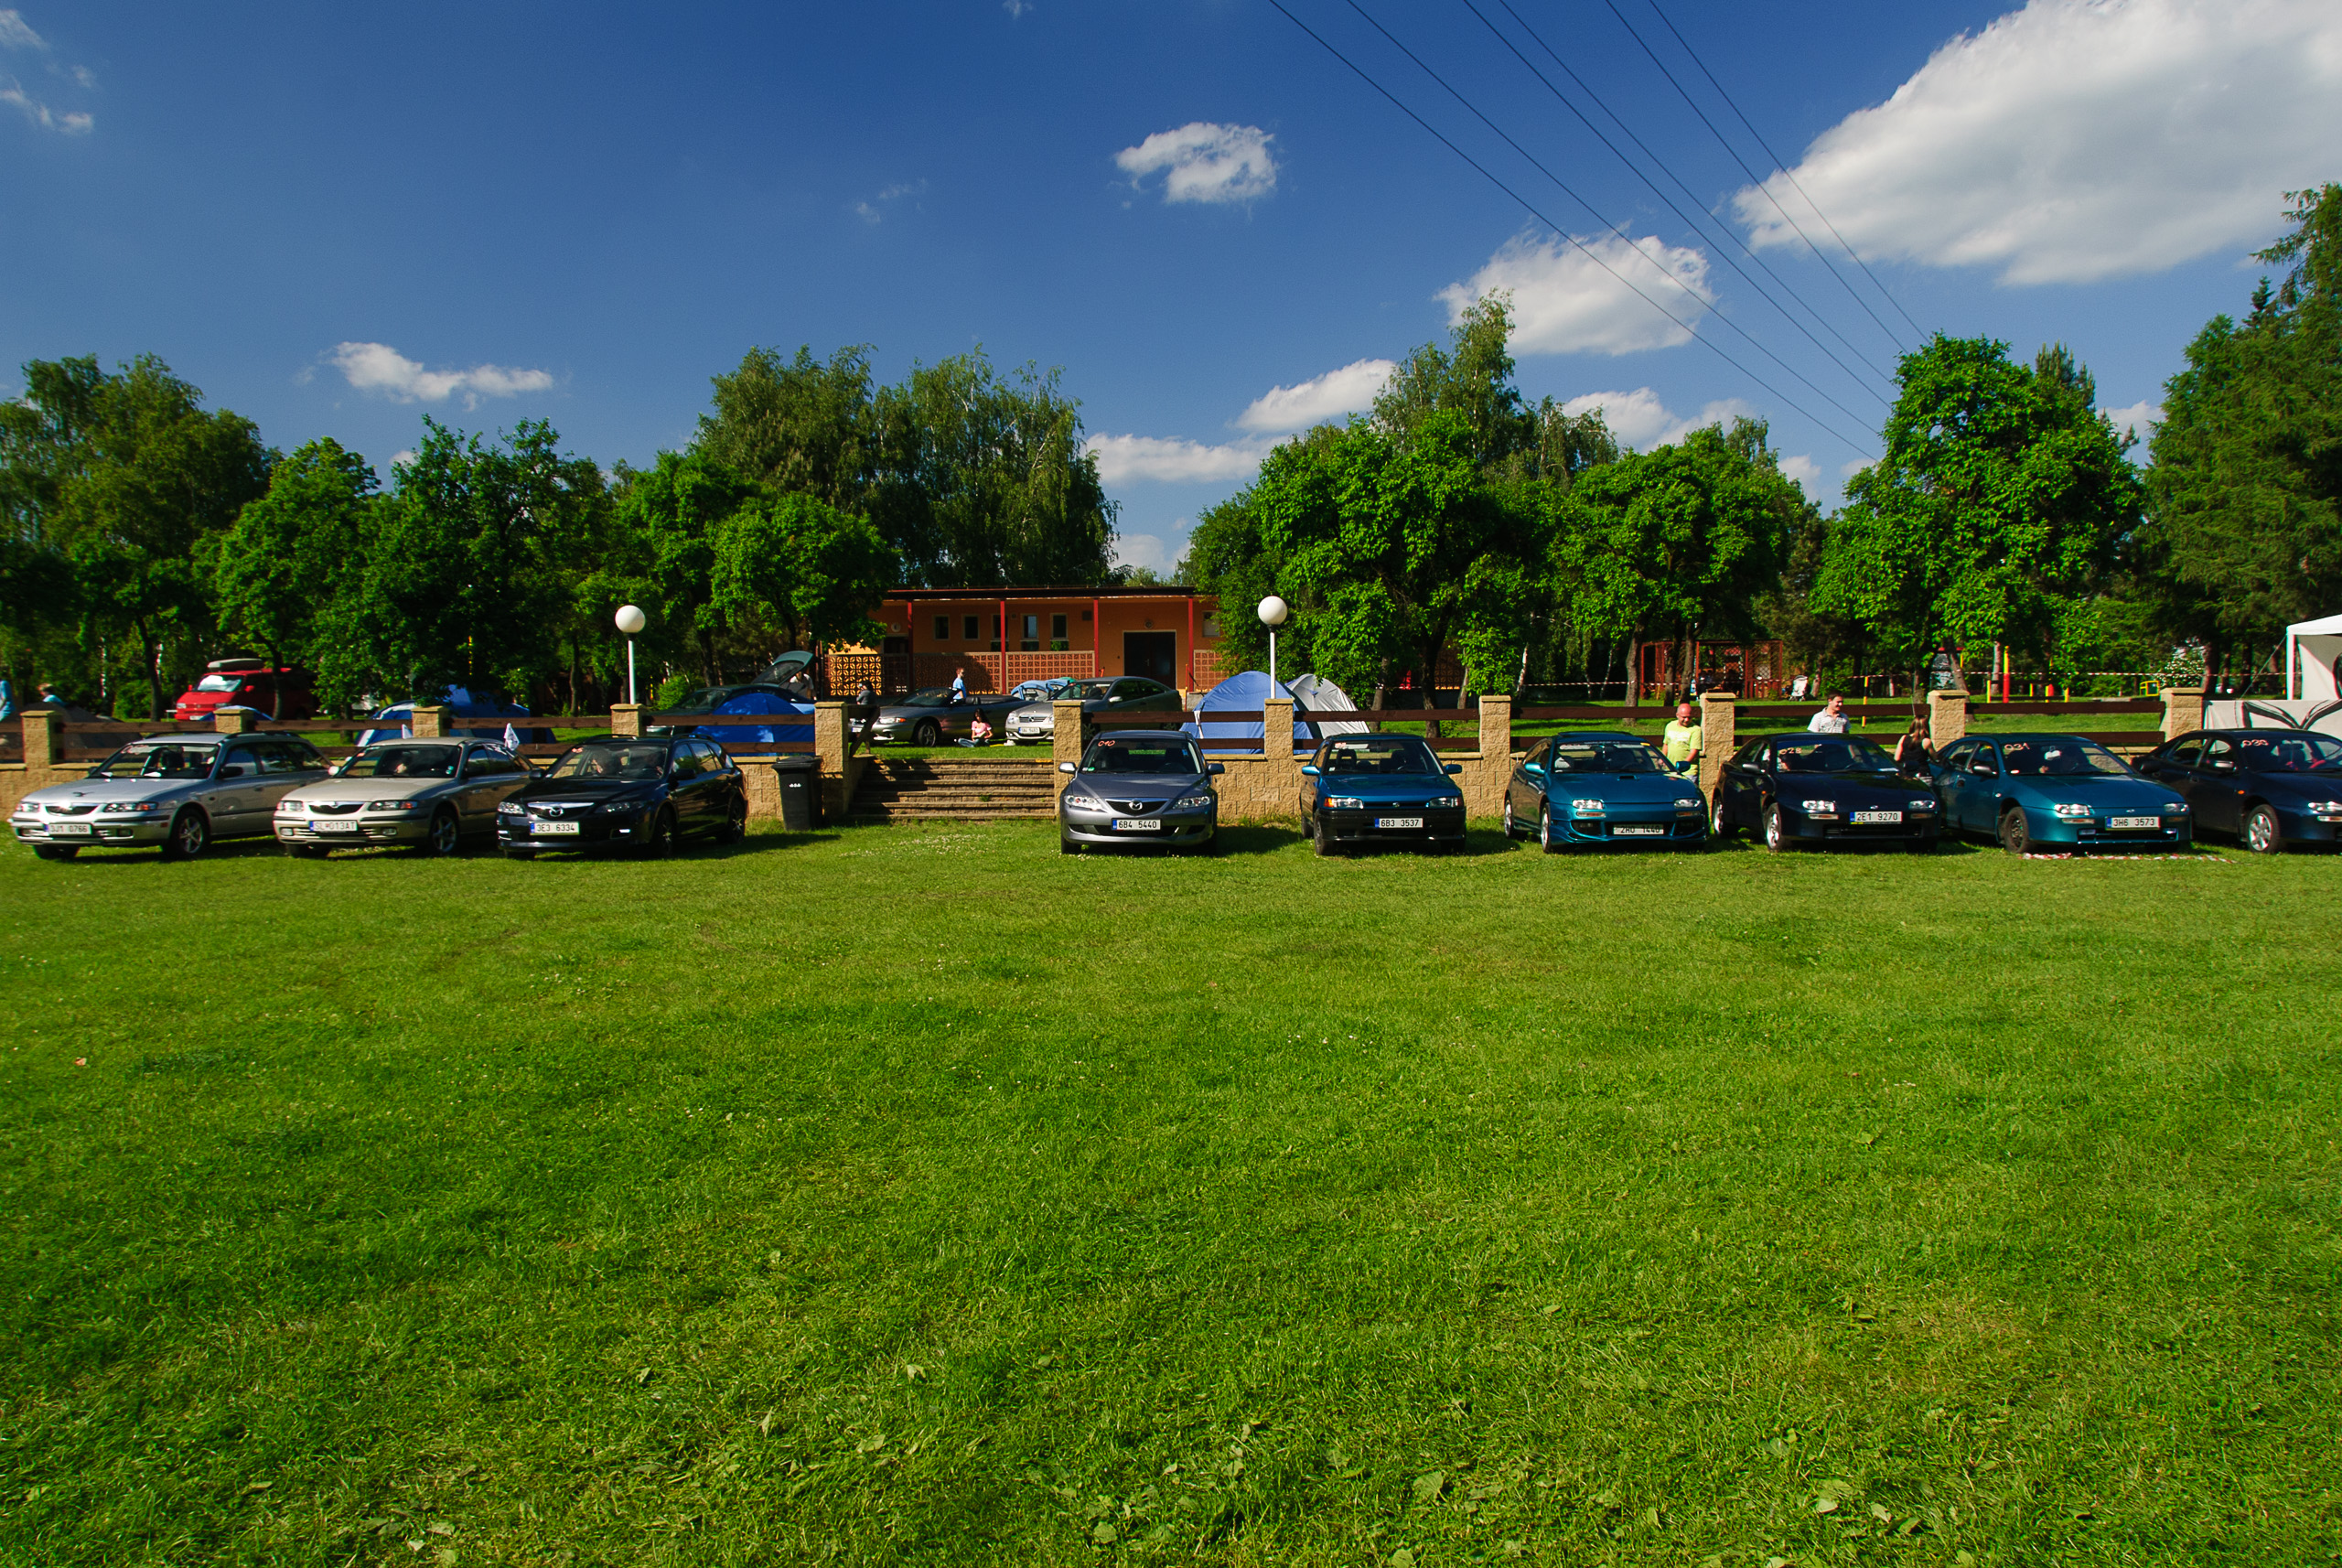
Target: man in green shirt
1681, 740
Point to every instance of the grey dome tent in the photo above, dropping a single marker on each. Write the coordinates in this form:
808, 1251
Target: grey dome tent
1320, 695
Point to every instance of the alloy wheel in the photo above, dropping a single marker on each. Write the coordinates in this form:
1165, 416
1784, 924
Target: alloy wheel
1545, 839
1511, 830
2016, 835
2263, 832
926, 732
1718, 828
191, 834
662, 836
1777, 834
445, 834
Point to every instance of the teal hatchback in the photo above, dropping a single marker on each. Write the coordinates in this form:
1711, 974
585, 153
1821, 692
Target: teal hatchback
1603, 786
2056, 791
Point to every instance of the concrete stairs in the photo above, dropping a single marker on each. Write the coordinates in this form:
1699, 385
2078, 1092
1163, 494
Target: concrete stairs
974, 789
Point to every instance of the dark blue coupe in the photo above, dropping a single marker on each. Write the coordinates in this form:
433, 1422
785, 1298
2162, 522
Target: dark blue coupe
1601, 786
2271, 787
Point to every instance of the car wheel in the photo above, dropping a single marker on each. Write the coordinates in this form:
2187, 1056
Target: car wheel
1719, 829
1511, 828
1067, 846
1321, 838
660, 837
307, 851
517, 852
2263, 834
1922, 847
736, 823
191, 834
926, 732
57, 850
1777, 832
2016, 837
444, 837
1547, 840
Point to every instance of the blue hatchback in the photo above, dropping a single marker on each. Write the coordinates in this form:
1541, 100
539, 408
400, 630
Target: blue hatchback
1603, 786
2034, 791
1363, 789
2271, 787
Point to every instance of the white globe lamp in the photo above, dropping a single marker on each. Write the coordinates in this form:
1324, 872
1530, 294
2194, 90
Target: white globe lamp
1273, 611
630, 620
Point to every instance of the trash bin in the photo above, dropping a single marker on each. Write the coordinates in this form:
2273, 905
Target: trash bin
799, 778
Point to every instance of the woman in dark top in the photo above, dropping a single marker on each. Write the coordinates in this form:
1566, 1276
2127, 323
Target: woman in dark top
1911, 751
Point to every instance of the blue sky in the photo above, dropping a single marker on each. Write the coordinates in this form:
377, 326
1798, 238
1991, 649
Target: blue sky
336, 220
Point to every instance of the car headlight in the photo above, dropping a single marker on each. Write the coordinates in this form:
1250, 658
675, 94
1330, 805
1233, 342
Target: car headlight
290, 807
2067, 808
1344, 803
1086, 802
1192, 802
1691, 805
2321, 807
1447, 800
393, 806
1919, 804
1587, 808
136, 808
511, 809
1818, 808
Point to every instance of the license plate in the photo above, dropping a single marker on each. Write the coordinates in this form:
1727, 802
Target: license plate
1138, 826
69, 829
557, 827
1398, 822
1878, 816
2119, 822
1639, 831
332, 825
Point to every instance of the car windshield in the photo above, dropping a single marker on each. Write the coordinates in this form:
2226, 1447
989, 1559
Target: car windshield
217, 683
157, 759
704, 700
1607, 757
1831, 754
590, 762
2060, 758
403, 762
1379, 754
1123, 753
1083, 690
2291, 753
932, 697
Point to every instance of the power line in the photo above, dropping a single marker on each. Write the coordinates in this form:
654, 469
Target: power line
1695, 224
1788, 173
1761, 186
1531, 209
1592, 211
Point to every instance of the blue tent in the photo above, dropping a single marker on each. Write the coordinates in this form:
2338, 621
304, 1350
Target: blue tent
1242, 692
736, 736
463, 703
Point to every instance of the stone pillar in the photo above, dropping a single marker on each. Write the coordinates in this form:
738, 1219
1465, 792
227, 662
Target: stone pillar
429, 721
2183, 711
1276, 727
234, 721
1065, 742
828, 738
1496, 726
43, 738
626, 719
1947, 718
1719, 718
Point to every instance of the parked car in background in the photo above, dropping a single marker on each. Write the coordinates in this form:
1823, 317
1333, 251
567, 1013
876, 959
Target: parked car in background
2034, 791
426, 794
178, 792
772, 713
1136, 786
1603, 786
1809, 790
2271, 787
248, 683
617, 791
1363, 789
931, 717
1115, 694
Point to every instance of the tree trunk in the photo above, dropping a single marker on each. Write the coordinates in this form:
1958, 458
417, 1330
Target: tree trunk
151, 652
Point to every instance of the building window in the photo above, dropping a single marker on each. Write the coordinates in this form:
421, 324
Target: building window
942, 629
971, 623
1211, 626
1059, 641
1033, 628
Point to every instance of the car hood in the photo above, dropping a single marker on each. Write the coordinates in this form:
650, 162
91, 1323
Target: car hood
2292, 786
1623, 788
1848, 786
367, 789
104, 792
584, 789
1138, 786
2105, 792
1035, 711
1387, 786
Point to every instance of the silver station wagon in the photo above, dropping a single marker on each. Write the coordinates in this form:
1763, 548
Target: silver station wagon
180, 791
428, 795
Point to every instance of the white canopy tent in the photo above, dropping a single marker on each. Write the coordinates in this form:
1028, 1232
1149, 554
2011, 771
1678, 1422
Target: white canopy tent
2312, 647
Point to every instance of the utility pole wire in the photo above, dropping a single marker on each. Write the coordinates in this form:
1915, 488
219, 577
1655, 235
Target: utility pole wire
1533, 211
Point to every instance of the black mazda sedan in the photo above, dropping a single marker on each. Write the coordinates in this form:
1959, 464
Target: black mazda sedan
2271, 787
1809, 790
621, 791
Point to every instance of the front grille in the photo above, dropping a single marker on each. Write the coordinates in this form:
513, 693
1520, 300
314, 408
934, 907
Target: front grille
71, 811
1136, 807
1446, 818
332, 808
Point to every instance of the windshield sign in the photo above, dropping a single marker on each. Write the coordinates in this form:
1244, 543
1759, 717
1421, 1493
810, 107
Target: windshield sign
403, 762
2291, 753
1607, 757
2059, 759
158, 760
644, 763
1116, 755
1831, 753
1380, 754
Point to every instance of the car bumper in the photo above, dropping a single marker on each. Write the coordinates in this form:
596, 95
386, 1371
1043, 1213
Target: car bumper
1441, 825
2090, 836
599, 832
1026, 734
1628, 831
1189, 827
118, 833
1823, 829
364, 831
2304, 827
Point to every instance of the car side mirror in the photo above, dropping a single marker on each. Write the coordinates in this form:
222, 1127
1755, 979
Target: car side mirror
1309, 770
1065, 767
234, 771
1533, 768
1984, 770
1453, 768
2223, 765
1214, 767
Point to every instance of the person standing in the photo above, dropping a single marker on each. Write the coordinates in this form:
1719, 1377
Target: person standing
1681, 740
1912, 753
7, 698
1832, 719
958, 686
862, 715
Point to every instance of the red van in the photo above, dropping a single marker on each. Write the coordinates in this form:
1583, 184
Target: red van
249, 683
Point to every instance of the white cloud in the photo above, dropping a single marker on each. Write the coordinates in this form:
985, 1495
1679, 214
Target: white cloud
2141, 417
1638, 419
1208, 162
1123, 458
2076, 140
64, 123
875, 209
1350, 389
1565, 302
401, 457
379, 368
1152, 550
1805, 471
15, 33
1016, 8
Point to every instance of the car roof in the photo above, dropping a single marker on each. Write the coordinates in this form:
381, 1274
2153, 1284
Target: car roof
2251, 729
1615, 736
425, 740
1145, 734
2039, 735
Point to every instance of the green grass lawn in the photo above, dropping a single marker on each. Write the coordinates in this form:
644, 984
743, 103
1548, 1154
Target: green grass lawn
921, 1195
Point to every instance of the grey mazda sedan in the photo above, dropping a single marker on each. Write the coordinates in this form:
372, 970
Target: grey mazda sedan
1140, 788
180, 791
427, 794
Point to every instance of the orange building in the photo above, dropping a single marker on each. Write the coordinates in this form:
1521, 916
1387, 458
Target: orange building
1003, 637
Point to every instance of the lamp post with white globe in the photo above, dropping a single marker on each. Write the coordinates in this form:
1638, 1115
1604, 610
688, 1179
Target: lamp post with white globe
1273, 611
630, 620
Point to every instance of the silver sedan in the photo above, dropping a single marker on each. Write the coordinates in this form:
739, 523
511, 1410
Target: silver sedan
426, 794
180, 791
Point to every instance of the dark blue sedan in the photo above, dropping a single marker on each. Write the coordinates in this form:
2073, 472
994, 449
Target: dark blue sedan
1603, 786
2060, 791
1808, 790
1365, 790
2271, 787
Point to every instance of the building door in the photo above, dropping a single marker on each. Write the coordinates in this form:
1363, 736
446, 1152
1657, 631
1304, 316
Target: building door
1153, 654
